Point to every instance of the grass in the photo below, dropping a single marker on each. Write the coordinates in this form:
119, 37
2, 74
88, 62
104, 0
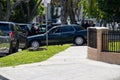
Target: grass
26, 57
4, 45
114, 46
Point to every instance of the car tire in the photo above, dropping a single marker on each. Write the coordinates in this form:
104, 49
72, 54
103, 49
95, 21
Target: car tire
16, 47
79, 41
26, 45
35, 44
11, 48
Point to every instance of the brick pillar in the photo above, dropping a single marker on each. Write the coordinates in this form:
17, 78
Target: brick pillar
94, 53
100, 31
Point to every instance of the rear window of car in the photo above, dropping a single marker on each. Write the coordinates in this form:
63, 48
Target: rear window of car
18, 28
23, 27
78, 28
4, 27
67, 29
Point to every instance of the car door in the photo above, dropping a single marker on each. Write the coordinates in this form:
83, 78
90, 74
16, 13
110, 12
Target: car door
4, 43
54, 36
67, 34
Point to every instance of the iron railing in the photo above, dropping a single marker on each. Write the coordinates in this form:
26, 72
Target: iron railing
92, 38
111, 41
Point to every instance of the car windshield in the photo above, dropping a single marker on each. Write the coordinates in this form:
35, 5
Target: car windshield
78, 28
54, 30
23, 27
4, 27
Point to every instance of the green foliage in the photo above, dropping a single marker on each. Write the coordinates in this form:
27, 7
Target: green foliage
21, 11
3, 9
25, 56
83, 3
40, 10
90, 9
101, 9
111, 9
26, 11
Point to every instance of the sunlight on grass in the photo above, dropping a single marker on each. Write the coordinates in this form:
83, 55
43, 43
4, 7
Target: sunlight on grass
25, 56
114, 46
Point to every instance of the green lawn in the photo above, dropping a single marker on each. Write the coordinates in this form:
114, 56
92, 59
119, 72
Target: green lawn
114, 46
25, 56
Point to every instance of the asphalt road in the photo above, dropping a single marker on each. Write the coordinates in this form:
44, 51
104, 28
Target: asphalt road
71, 64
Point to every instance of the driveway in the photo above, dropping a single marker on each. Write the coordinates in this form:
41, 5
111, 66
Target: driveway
71, 64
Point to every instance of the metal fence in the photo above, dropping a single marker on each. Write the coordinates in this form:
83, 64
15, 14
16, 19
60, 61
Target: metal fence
111, 41
92, 38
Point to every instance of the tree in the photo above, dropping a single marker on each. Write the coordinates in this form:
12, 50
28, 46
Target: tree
54, 8
111, 9
8, 10
6, 7
90, 9
1, 8
70, 9
28, 9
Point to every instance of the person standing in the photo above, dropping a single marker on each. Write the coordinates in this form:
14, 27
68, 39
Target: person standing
86, 25
33, 30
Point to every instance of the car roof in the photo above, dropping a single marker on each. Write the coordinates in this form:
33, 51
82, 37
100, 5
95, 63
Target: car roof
23, 24
67, 25
74, 25
7, 22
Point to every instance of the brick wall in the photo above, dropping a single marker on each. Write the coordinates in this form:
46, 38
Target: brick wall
97, 54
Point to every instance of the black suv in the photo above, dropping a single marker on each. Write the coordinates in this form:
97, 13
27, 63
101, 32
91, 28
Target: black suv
17, 39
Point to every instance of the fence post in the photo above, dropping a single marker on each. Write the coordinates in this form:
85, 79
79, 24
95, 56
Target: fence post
94, 52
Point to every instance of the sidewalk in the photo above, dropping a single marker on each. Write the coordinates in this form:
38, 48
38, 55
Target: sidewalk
71, 64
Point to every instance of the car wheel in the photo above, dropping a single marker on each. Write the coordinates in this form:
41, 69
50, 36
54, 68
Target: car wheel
26, 45
79, 41
35, 44
10, 49
15, 49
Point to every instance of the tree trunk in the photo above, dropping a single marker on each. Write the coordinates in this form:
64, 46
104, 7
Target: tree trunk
71, 12
7, 15
35, 9
28, 13
64, 14
23, 13
67, 10
0, 11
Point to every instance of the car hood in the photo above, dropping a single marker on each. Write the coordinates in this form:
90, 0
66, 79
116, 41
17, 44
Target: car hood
38, 35
82, 31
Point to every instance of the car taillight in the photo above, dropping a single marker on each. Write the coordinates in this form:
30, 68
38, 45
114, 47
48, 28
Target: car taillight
27, 33
36, 29
11, 34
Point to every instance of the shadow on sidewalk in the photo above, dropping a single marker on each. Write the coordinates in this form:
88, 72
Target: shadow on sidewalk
3, 78
80, 45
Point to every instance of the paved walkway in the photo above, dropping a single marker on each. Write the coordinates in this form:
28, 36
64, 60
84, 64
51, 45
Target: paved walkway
71, 64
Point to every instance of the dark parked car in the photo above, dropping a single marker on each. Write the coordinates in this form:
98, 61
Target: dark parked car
59, 35
12, 36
